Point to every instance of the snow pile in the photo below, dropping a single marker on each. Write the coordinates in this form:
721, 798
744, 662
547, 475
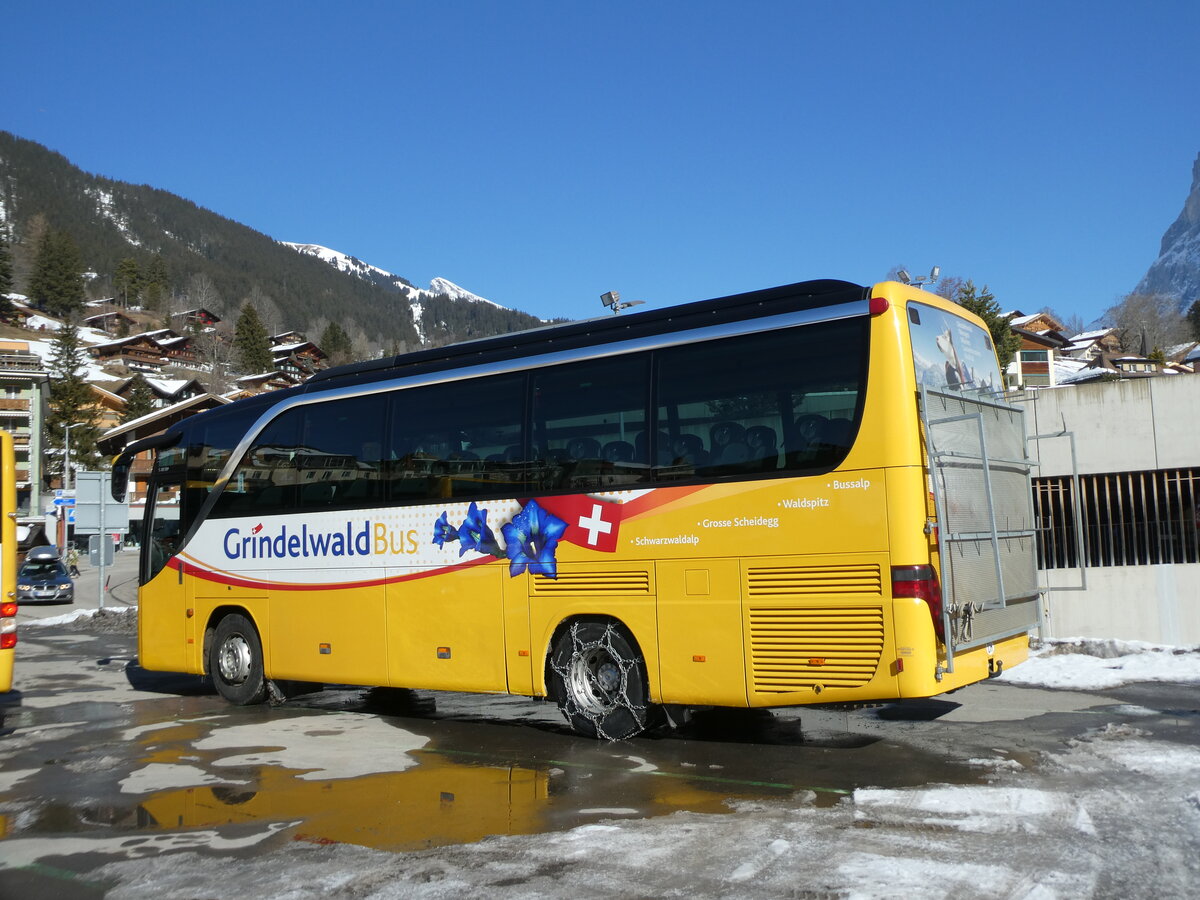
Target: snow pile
1086, 664
110, 620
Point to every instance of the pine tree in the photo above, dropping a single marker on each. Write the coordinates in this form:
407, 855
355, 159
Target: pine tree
156, 284
983, 304
251, 342
7, 309
336, 344
139, 401
57, 281
127, 281
1193, 318
70, 401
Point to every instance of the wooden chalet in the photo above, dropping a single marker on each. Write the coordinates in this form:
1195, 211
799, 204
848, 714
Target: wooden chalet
180, 351
266, 381
107, 405
301, 359
1090, 344
198, 319
167, 392
111, 322
1042, 341
138, 351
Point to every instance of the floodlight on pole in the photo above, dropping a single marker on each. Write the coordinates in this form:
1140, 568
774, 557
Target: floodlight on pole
612, 299
921, 280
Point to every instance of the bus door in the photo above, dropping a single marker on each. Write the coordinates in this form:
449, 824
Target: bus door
164, 628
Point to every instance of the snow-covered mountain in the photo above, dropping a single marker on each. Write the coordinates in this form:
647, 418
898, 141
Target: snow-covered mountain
352, 265
1176, 272
441, 313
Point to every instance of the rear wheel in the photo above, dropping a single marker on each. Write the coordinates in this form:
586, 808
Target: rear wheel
599, 679
235, 661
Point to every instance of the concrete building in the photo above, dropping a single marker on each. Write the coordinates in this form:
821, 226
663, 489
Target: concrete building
1131, 532
24, 396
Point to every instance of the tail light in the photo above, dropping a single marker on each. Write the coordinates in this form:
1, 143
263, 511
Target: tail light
8, 626
920, 582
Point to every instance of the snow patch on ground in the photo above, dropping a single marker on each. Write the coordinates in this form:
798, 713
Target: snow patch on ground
1094, 665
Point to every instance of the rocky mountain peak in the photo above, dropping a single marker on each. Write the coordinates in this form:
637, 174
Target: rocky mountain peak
1176, 272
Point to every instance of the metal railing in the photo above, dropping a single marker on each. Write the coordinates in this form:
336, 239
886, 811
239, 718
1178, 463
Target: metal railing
1118, 519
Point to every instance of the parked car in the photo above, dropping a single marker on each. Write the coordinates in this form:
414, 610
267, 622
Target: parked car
44, 577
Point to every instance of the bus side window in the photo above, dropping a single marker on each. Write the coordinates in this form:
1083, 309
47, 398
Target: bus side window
341, 448
459, 440
747, 405
587, 418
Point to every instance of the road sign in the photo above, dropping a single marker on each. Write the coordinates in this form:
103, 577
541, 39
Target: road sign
92, 492
64, 501
98, 543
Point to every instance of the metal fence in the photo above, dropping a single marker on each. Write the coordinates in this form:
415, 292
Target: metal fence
1127, 518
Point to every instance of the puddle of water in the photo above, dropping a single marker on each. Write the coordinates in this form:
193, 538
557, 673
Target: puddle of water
461, 780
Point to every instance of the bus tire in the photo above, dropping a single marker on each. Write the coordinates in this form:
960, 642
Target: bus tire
598, 677
235, 661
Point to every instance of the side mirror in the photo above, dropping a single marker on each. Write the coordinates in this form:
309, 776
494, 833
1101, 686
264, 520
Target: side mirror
120, 478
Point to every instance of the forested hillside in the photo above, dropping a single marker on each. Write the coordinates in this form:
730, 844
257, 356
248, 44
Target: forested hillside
204, 259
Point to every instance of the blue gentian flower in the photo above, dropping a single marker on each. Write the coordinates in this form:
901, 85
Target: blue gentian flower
443, 531
530, 540
474, 533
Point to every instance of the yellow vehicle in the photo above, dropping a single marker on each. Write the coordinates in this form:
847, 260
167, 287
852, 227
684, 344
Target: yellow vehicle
8, 560
807, 494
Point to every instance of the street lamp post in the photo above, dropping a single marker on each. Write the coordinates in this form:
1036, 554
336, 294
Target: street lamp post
66, 482
66, 479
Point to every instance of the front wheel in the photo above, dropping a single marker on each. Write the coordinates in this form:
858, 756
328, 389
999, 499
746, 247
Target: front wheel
599, 679
235, 661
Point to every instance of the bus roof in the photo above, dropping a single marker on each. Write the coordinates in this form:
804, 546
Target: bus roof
602, 330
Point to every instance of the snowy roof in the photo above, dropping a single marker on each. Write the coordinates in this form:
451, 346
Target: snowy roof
1092, 336
133, 424
288, 348
1071, 371
121, 342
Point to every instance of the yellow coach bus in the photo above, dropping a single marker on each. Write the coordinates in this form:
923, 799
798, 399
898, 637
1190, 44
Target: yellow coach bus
8, 560
807, 494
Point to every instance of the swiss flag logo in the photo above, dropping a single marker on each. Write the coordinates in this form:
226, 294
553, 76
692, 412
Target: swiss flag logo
591, 523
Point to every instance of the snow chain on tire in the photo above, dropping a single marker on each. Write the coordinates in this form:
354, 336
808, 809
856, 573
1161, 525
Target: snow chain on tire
612, 697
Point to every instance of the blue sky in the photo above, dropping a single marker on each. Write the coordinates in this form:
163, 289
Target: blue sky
541, 153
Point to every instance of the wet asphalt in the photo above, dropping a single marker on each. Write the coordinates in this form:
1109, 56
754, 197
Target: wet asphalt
101, 759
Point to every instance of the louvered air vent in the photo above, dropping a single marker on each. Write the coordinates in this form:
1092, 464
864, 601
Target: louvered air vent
804, 580
795, 649
593, 583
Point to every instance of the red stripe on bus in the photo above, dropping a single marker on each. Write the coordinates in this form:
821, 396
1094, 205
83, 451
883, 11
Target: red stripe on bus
219, 578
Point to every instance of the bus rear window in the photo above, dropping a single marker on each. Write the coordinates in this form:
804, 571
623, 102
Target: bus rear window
950, 353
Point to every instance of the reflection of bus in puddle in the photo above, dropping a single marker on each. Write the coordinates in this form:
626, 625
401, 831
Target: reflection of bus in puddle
440, 801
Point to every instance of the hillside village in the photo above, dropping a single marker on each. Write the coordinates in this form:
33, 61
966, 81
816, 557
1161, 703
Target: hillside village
121, 358
1048, 357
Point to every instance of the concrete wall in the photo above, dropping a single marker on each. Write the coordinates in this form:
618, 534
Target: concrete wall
1160, 604
1121, 426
